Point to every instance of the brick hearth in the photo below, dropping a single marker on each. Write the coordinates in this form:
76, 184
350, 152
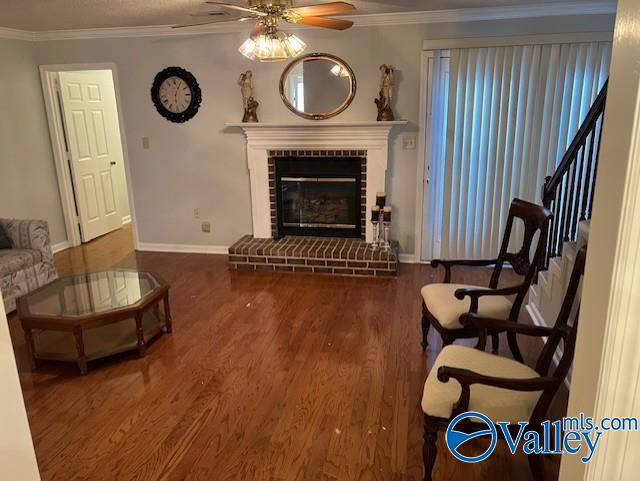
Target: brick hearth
322, 255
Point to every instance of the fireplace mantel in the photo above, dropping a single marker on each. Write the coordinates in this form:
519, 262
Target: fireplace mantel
263, 137
318, 134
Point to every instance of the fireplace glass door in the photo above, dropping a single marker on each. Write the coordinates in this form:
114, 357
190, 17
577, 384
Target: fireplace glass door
319, 203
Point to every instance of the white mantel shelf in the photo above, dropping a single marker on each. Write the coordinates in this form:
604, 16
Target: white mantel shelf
319, 134
315, 124
370, 136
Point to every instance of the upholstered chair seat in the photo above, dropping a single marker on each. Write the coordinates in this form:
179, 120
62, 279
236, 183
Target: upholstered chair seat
446, 308
499, 404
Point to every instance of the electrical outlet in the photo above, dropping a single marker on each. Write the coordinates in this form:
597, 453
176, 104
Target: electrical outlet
409, 142
146, 143
206, 227
196, 213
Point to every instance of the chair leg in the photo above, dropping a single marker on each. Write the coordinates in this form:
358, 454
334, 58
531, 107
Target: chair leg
495, 343
536, 466
425, 332
513, 346
429, 449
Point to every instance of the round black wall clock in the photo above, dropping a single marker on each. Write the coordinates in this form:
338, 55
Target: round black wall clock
176, 94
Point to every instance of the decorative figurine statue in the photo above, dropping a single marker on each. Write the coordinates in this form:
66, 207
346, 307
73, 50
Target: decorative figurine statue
386, 92
248, 102
250, 112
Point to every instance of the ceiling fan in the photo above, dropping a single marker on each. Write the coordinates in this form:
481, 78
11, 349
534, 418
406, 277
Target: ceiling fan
271, 11
265, 41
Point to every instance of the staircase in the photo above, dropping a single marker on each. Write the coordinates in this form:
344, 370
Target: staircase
545, 297
568, 193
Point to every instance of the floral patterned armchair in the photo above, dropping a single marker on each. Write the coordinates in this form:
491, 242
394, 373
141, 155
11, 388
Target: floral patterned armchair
29, 264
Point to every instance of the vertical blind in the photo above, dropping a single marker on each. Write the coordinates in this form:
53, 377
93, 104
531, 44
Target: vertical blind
511, 114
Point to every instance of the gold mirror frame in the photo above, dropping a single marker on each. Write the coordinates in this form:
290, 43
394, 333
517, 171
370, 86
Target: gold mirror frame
320, 56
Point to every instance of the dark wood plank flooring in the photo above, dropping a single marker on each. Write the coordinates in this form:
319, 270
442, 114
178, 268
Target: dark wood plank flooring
266, 377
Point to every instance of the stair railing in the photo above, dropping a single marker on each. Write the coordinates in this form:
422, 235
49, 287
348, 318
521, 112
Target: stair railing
568, 193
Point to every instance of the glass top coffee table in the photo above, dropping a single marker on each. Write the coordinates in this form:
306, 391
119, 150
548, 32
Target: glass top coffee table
90, 316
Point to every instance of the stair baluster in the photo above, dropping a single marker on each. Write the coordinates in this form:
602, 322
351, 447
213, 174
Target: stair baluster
568, 193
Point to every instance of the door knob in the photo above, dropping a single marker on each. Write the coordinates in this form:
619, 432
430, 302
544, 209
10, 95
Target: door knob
112, 163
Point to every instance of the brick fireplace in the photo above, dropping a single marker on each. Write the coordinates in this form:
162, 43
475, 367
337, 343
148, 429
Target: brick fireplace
318, 193
311, 185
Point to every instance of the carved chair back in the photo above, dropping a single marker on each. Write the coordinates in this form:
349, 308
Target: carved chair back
535, 219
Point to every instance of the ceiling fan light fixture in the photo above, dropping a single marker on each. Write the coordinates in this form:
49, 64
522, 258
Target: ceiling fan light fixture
272, 47
295, 45
248, 49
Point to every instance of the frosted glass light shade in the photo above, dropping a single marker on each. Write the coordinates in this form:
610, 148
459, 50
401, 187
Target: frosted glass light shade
272, 47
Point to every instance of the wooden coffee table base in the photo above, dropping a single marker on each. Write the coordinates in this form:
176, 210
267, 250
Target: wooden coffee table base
97, 335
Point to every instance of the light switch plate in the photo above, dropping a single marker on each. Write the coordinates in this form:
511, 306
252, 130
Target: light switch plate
196, 213
409, 142
146, 143
206, 227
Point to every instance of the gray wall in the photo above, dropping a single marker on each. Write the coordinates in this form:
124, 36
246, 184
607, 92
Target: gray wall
203, 164
28, 182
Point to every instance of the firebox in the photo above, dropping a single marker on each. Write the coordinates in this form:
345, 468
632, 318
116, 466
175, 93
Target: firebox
319, 196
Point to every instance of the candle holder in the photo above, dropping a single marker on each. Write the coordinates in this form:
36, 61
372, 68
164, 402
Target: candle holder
385, 244
381, 221
376, 234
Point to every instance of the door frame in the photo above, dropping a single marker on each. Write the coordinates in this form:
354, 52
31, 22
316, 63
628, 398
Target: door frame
48, 74
422, 186
429, 174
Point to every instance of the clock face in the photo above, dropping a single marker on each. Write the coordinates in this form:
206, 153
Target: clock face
176, 94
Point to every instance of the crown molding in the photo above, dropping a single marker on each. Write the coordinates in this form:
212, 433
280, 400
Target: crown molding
485, 13
366, 20
13, 34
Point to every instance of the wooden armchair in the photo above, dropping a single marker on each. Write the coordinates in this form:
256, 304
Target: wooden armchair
443, 305
500, 388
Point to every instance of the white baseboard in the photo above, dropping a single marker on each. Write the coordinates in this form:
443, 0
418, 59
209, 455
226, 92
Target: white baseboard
126, 219
183, 248
407, 259
60, 246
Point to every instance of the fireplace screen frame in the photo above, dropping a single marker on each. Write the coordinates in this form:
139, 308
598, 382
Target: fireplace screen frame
319, 170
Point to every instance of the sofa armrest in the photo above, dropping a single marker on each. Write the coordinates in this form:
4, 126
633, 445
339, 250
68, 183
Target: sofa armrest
30, 234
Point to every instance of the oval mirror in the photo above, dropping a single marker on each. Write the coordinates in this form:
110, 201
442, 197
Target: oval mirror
317, 86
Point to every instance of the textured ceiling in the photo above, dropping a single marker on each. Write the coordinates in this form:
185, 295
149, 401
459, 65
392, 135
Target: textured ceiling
74, 14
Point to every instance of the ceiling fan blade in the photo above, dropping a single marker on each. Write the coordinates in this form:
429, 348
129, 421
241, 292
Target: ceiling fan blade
331, 8
217, 20
236, 7
332, 23
208, 14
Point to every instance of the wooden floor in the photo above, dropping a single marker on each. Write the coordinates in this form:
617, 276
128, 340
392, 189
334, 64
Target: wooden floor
266, 377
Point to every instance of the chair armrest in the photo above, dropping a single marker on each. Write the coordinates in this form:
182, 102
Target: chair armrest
448, 264
481, 322
30, 234
467, 378
476, 293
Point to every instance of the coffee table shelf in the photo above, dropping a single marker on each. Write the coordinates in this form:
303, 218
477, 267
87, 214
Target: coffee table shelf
91, 316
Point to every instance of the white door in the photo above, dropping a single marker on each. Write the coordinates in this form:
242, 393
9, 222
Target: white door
93, 138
